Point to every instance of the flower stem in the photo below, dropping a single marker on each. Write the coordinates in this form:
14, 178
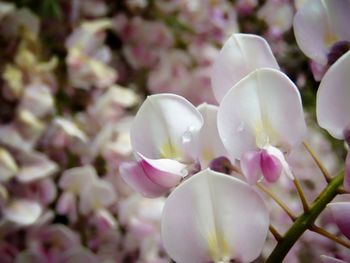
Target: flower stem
306, 220
318, 162
301, 195
277, 200
326, 234
275, 233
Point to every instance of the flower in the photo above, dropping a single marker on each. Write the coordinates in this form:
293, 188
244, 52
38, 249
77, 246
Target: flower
240, 55
213, 217
319, 25
163, 136
332, 107
258, 119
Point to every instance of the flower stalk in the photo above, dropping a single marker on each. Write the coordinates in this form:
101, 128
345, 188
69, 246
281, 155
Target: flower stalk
306, 220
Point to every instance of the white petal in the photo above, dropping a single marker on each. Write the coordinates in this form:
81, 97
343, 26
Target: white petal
241, 54
319, 24
75, 179
332, 104
8, 166
212, 217
97, 195
35, 166
263, 109
210, 143
165, 127
23, 212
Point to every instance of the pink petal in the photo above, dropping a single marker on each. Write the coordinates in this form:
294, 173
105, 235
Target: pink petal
327, 259
135, 176
251, 168
341, 215
164, 172
271, 167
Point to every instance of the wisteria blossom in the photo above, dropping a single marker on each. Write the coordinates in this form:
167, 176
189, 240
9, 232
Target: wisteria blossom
174, 131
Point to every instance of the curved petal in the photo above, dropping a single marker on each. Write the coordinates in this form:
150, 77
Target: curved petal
271, 166
276, 153
134, 175
332, 103
250, 164
327, 259
240, 55
166, 126
164, 172
77, 178
210, 144
23, 212
319, 24
312, 29
341, 215
97, 195
213, 217
262, 109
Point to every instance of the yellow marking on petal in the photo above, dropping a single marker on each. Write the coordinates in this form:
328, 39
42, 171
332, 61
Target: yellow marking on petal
264, 133
218, 247
330, 38
169, 150
261, 136
207, 154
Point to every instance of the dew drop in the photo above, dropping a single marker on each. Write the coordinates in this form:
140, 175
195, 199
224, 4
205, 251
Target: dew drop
184, 172
188, 135
241, 127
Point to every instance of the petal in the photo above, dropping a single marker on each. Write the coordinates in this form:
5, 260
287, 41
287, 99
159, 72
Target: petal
312, 30
341, 215
332, 103
8, 166
164, 172
213, 217
327, 259
134, 175
23, 212
35, 166
75, 179
165, 127
250, 165
263, 109
96, 196
240, 55
210, 144
276, 153
271, 167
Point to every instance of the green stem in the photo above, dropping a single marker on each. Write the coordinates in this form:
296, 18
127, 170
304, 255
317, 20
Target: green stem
306, 220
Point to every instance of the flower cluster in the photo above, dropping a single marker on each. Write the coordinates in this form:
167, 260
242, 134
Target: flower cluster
161, 131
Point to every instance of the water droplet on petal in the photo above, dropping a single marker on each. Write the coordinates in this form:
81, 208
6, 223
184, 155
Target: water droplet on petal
188, 135
241, 127
184, 172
